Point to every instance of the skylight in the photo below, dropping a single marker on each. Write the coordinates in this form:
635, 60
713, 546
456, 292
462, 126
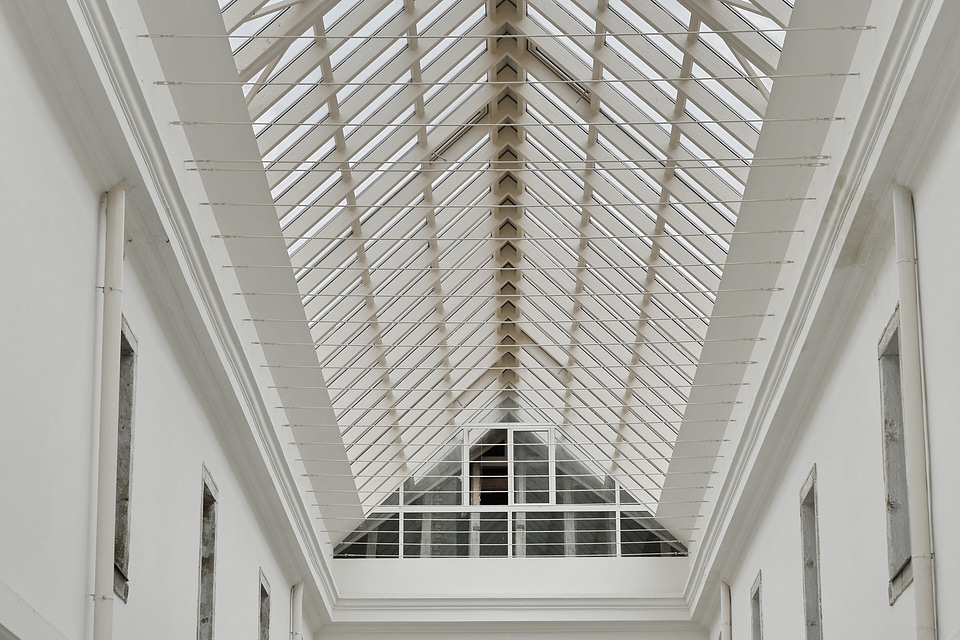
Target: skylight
532, 206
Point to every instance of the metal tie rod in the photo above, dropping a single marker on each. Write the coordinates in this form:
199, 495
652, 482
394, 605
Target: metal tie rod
417, 477
447, 446
689, 265
743, 163
436, 447
524, 367
624, 422
592, 512
369, 478
419, 448
523, 238
528, 166
381, 513
581, 459
382, 407
342, 411
532, 169
501, 83
377, 385
498, 36
519, 345
530, 508
460, 125
370, 493
464, 207
422, 426
509, 296
497, 321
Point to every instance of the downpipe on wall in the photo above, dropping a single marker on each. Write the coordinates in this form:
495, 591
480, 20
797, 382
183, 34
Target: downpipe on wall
296, 612
726, 626
109, 416
915, 432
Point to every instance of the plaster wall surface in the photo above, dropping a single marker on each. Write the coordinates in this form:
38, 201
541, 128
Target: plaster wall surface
513, 577
173, 441
49, 230
938, 227
829, 415
839, 431
50, 234
48, 274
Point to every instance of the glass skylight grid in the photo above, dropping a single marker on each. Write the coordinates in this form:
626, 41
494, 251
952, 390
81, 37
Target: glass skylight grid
245, 32
592, 162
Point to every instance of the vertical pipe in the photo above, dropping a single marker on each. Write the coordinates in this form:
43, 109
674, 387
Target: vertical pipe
109, 416
296, 612
726, 626
95, 372
915, 436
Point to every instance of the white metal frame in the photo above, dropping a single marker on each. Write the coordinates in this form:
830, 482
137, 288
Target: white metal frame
412, 330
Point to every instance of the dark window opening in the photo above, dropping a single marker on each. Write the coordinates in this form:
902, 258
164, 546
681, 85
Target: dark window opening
811, 558
264, 617
208, 540
121, 543
488, 470
756, 615
894, 460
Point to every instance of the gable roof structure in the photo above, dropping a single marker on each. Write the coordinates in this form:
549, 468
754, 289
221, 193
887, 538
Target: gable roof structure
530, 202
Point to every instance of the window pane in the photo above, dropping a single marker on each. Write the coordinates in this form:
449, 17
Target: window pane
540, 533
595, 533
531, 467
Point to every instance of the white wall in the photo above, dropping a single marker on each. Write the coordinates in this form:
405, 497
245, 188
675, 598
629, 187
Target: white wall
938, 228
471, 598
837, 426
48, 274
173, 440
48, 271
51, 190
840, 433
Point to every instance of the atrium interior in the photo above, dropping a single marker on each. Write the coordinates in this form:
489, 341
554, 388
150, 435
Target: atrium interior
349, 319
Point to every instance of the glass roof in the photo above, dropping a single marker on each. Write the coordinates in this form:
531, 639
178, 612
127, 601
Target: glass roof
526, 200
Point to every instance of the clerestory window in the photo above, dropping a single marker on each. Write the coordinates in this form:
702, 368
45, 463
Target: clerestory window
894, 461
511, 490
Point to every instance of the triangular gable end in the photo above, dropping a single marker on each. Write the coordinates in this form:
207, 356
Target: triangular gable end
510, 489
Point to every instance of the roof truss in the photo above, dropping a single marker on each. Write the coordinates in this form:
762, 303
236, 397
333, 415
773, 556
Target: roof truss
525, 200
